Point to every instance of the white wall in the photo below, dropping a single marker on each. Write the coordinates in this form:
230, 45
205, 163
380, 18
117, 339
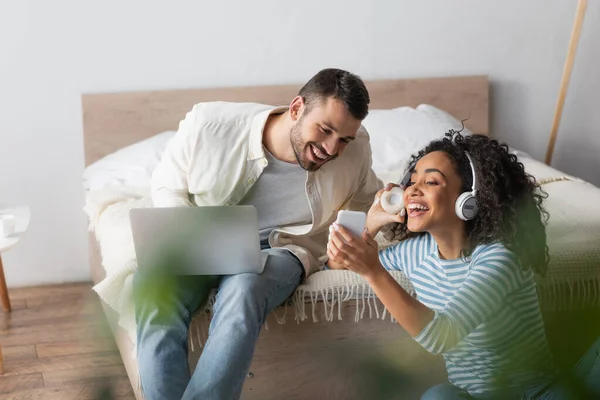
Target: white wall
51, 52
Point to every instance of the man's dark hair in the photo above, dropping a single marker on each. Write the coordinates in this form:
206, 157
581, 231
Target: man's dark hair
340, 85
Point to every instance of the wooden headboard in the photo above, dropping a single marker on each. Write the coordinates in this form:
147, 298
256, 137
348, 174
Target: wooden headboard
115, 120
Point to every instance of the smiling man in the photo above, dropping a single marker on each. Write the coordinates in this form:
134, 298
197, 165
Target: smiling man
298, 165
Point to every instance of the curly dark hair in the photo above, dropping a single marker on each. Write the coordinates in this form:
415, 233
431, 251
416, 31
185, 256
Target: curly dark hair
509, 200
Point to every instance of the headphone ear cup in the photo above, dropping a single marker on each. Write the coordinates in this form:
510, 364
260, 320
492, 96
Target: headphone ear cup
466, 206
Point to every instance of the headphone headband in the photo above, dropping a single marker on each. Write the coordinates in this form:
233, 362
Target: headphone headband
474, 185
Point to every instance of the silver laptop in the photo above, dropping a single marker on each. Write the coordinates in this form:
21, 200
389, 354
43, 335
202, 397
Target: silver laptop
198, 240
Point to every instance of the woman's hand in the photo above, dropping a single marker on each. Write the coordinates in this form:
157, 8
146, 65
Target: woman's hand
377, 217
333, 265
358, 254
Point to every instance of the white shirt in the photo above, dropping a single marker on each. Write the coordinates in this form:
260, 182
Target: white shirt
217, 154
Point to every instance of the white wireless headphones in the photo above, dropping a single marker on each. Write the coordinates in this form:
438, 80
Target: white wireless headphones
466, 204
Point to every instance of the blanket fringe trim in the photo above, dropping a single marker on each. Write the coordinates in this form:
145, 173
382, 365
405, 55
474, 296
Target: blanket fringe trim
558, 294
333, 300
553, 295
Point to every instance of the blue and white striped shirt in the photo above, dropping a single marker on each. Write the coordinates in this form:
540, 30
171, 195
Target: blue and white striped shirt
487, 322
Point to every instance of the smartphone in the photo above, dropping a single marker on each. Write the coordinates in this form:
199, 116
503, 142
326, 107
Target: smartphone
354, 221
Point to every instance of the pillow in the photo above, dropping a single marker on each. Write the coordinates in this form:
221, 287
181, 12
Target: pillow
132, 165
398, 133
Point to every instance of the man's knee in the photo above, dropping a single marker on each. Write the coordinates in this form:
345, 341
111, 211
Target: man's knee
242, 287
167, 298
255, 294
153, 289
242, 298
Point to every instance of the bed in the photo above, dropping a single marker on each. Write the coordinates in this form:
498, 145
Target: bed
333, 339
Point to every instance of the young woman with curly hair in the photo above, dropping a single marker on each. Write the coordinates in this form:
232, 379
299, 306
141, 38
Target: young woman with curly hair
472, 269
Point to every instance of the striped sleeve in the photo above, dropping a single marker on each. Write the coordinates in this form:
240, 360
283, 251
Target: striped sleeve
407, 254
494, 274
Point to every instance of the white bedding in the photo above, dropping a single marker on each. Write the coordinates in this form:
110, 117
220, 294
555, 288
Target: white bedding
129, 166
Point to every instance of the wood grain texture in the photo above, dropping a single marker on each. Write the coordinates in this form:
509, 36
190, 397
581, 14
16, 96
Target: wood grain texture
17, 304
76, 363
60, 347
15, 383
14, 353
55, 332
94, 374
58, 292
75, 347
120, 389
115, 120
62, 312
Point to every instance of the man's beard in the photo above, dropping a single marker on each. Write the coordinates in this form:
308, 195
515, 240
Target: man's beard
299, 147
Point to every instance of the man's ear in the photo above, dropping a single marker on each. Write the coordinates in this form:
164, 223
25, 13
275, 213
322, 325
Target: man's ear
297, 107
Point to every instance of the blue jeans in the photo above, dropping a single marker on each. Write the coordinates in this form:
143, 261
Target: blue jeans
164, 306
583, 384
